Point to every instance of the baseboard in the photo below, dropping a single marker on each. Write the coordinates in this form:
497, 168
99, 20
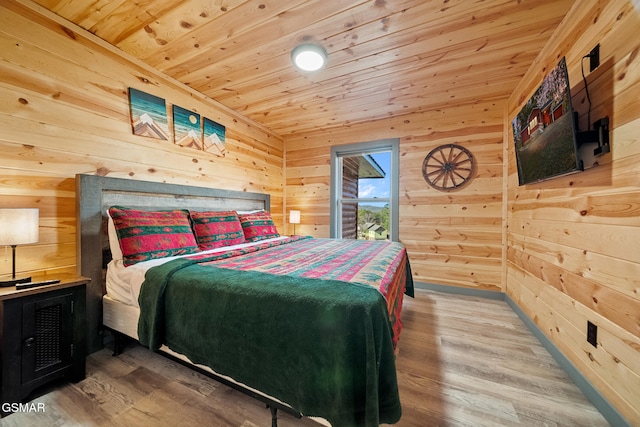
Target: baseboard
459, 290
607, 410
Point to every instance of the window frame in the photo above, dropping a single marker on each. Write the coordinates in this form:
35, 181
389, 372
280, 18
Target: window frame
361, 148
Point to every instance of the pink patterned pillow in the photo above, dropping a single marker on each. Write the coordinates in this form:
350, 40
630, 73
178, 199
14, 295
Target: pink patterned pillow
145, 235
258, 226
217, 229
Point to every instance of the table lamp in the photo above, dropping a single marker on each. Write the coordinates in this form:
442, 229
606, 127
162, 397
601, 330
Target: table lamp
294, 218
18, 226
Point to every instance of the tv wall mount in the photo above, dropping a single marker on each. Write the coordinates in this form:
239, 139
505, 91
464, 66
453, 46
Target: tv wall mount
599, 135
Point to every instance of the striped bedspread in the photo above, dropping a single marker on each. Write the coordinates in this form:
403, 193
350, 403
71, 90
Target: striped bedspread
381, 264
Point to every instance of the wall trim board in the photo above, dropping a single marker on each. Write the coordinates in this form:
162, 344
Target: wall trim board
607, 410
460, 290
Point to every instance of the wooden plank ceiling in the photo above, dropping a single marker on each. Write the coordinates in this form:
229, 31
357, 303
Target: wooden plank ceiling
386, 58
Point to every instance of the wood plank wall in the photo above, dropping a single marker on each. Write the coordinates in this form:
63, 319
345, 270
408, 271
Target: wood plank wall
452, 238
64, 110
573, 242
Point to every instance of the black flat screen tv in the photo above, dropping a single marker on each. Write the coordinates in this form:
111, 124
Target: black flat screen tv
544, 131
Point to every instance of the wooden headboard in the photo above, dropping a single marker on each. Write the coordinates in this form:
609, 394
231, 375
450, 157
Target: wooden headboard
94, 196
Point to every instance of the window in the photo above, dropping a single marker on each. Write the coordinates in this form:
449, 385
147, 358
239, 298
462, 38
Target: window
364, 190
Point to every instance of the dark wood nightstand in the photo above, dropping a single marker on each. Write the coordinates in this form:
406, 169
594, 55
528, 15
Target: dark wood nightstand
42, 336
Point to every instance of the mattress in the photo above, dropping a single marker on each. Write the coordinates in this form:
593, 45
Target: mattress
123, 283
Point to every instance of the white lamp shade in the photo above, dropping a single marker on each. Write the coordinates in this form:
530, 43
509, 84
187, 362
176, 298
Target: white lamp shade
294, 217
19, 226
309, 57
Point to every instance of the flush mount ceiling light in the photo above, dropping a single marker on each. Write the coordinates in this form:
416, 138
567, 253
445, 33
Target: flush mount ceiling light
309, 57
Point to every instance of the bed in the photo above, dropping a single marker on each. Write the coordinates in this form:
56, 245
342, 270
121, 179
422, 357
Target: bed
311, 325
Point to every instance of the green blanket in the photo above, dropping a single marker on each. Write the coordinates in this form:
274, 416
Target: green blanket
324, 347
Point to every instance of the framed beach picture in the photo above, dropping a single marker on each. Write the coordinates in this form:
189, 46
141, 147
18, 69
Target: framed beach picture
148, 115
214, 137
186, 128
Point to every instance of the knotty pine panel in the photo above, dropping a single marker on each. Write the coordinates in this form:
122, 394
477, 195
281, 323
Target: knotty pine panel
444, 269
615, 273
616, 207
615, 306
596, 237
64, 110
572, 241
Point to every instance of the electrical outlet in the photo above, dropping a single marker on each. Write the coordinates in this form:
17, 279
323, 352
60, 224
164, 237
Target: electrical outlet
594, 58
592, 334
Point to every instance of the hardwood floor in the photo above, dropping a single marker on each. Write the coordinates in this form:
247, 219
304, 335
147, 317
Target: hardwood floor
463, 361
468, 361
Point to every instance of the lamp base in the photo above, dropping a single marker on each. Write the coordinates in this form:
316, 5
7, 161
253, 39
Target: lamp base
13, 282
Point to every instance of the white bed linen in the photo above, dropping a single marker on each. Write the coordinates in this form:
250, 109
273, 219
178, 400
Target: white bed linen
123, 283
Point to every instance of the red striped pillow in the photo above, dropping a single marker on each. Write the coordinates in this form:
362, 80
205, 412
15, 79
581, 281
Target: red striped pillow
145, 235
258, 226
217, 229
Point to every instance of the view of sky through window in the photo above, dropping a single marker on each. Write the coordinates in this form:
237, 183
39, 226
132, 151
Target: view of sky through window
377, 187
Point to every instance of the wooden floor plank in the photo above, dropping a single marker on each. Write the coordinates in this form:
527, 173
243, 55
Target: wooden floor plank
463, 361
469, 361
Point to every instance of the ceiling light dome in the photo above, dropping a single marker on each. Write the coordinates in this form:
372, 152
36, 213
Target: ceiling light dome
309, 57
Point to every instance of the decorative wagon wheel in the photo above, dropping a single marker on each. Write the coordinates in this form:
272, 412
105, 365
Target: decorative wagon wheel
448, 167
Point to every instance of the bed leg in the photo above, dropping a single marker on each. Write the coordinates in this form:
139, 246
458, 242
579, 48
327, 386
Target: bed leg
118, 344
274, 416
